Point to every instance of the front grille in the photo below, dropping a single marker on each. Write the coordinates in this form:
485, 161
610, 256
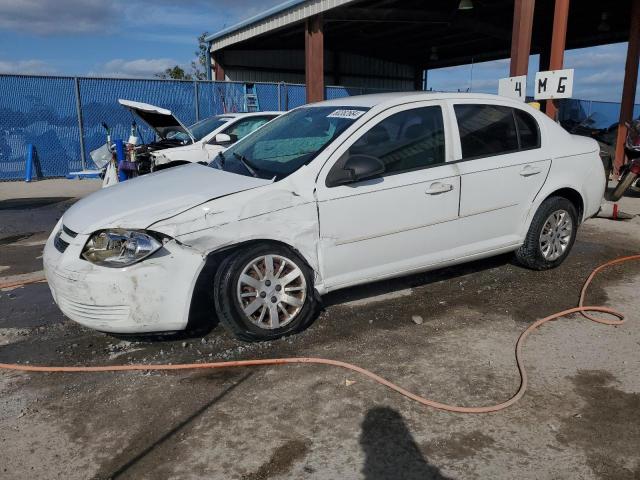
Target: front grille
59, 243
69, 232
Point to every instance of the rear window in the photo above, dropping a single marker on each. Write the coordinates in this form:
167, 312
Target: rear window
486, 130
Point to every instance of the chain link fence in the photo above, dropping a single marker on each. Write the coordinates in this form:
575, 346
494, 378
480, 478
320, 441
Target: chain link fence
61, 116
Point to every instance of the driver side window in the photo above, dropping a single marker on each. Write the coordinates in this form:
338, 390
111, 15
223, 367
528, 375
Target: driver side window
408, 140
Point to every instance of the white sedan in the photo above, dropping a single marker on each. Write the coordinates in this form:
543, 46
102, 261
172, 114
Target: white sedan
327, 196
199, 142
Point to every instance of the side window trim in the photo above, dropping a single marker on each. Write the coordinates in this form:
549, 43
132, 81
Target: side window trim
515, 124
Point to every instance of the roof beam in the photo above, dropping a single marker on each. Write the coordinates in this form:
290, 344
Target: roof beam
387, 15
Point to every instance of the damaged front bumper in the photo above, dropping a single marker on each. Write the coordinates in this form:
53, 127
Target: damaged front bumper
153, 295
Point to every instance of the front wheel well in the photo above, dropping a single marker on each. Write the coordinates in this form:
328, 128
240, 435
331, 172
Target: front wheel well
202, 306
574, 197
217, 255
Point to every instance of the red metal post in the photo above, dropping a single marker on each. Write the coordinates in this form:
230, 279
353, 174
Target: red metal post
314, 59
558, 42
630, 80
218, 70
521, 36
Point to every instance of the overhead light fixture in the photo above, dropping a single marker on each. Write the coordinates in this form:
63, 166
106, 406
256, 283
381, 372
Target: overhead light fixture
465, 5
434, 54
604, 25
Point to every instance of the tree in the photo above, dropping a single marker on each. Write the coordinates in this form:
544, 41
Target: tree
198, 66
175, 73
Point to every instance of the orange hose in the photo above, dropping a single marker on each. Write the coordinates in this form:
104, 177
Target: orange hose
336, 363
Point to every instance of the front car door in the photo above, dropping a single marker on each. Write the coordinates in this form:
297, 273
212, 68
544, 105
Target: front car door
396, 222
502, 168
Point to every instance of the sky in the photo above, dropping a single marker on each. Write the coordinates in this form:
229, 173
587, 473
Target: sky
139, 38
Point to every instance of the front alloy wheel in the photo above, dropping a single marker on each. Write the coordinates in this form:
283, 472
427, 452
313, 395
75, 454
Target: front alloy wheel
271, 290
264, 292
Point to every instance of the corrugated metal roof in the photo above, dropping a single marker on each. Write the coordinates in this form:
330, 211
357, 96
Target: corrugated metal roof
279, 16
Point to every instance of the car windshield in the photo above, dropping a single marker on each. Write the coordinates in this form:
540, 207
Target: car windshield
204, 127
285, 144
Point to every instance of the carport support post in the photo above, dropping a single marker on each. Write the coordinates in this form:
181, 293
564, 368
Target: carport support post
218, 69
558, 41
314, 59
521, 36
630, 80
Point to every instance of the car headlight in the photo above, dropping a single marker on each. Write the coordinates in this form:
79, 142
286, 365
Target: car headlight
120, 248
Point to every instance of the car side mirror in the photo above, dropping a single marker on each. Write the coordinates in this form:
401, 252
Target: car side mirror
356, 168
222, 138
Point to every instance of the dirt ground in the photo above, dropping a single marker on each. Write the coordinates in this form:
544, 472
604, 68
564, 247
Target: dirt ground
579, 419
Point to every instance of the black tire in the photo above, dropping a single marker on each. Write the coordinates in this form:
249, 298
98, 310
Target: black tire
230, 311
530, 254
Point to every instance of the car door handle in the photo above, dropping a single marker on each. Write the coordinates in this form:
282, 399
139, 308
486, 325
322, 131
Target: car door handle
528, 170
438, 187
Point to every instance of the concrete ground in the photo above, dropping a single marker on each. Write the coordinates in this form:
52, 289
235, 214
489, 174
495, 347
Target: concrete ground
579, 419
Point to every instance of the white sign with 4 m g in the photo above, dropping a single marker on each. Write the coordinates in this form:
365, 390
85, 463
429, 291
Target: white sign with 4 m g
513, 87
554, 84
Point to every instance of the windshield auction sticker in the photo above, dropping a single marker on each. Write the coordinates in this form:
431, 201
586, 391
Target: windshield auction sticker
351, 114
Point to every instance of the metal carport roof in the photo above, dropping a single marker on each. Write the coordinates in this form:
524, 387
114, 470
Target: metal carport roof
429, 34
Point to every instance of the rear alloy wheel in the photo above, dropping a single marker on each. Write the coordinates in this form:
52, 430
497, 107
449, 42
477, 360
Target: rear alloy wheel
556, 235
551, 235
264, 292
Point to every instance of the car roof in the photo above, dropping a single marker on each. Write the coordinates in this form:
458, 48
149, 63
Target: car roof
392, 98
247, 114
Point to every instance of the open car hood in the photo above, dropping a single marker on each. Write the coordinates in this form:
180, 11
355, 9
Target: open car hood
145, 200
161, 120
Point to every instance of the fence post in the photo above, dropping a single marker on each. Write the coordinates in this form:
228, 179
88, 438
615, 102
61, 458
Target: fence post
80, 127
279, 99
196, 94
286, 96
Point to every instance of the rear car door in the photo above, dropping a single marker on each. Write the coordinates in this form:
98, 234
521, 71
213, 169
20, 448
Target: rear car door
502, 168
398, 221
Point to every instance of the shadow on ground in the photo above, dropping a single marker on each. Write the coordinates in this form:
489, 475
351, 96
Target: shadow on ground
391, 451
28, 203
130, 458
386, 286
